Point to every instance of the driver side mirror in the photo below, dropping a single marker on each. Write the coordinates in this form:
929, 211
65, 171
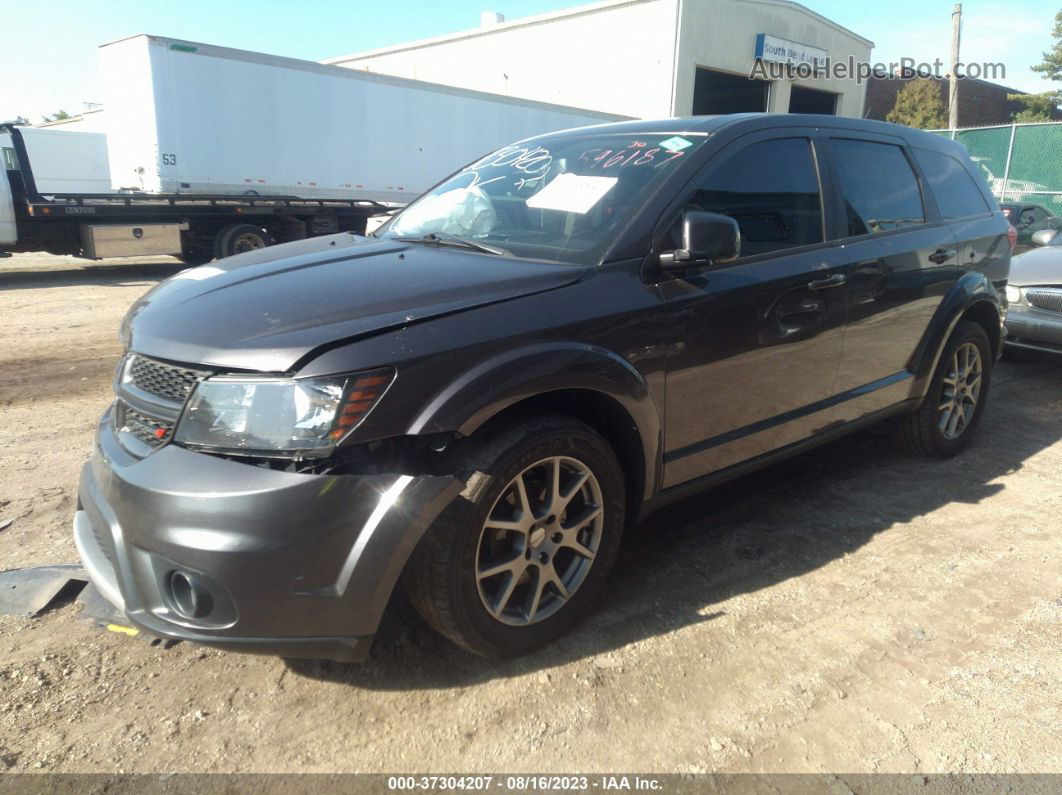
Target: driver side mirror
1043, 237
707, 239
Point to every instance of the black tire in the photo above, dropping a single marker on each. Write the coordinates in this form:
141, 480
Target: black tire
442, 578
237, 238
921, 431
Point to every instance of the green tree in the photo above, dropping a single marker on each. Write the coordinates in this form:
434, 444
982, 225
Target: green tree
918, 104
57, 116
1034, 107
1051, 66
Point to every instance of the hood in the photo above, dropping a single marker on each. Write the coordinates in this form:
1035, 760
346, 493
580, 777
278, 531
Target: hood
1038, 266
265, 310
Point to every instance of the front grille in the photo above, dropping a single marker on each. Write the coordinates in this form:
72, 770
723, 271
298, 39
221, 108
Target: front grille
148, 430
165, 380
1045, 298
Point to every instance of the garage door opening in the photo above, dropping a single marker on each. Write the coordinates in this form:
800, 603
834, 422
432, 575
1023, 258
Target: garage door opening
810, 100
718, 92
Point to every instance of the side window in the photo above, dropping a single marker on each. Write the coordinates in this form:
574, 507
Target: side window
956, 192
1027, 218
880, 189
771, 189
10, 159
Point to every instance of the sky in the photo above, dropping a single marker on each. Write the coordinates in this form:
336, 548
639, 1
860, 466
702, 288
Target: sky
48, 49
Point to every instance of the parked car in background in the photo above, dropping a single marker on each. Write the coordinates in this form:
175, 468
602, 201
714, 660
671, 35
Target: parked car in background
1034, 294
1028, 218
555, 340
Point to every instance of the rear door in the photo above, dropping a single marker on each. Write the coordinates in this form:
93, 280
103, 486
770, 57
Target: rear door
898, 258
754, 345
983, 244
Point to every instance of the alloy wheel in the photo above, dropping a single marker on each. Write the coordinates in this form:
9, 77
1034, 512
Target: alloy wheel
539, 541
962, 387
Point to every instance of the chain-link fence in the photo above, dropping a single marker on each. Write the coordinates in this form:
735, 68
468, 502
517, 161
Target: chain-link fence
1022, 162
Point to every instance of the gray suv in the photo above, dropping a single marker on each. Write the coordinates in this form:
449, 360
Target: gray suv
562, 336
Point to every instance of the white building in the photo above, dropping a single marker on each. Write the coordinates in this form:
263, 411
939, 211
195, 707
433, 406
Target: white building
642, 58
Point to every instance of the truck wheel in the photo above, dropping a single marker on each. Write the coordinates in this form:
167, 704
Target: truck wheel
238, 238
518, 558
945, 422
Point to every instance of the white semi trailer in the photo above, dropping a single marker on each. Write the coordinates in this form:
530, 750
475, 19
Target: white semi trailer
214, 150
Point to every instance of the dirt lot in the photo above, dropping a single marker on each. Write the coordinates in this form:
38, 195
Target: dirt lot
854, 609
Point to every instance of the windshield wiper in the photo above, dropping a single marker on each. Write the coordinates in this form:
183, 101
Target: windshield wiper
454, 240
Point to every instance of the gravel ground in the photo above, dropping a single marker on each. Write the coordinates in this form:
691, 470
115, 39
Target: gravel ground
853, 609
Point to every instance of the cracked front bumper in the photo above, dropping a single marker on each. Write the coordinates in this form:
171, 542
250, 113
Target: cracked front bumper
289, 564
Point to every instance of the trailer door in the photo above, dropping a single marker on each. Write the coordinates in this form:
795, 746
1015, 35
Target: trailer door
8, 234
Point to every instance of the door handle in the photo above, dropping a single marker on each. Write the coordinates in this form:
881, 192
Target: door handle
837, 280
942, 255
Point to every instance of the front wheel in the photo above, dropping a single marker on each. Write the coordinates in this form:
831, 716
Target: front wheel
519, 558
945, 422
239, 238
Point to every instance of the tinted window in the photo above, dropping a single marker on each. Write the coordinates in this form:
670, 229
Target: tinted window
880, 189
772, 190
955, 190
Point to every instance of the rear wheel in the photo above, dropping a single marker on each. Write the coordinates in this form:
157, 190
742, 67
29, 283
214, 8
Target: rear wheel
518, 560
239, 238
945, 422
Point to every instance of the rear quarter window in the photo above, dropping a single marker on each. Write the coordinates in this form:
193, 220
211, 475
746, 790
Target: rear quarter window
956, 192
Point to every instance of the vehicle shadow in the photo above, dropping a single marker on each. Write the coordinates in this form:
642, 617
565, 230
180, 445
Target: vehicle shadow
96, 275
782, 522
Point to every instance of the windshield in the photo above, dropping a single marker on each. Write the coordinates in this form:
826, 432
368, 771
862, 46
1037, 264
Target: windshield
560, 198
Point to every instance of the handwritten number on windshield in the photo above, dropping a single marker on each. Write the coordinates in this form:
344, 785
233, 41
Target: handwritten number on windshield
634, 155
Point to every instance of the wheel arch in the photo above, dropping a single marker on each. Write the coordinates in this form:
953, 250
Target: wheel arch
972, 297
585, 382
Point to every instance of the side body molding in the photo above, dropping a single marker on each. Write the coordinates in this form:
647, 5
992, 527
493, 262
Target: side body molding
971, 289
494, 384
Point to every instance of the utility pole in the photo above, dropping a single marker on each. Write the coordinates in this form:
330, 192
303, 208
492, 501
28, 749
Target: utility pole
953, 78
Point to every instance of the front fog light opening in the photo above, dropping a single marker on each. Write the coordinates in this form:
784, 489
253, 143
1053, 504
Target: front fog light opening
188, 597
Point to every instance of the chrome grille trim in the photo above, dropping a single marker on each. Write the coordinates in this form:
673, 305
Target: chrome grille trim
166, 381
1047, 298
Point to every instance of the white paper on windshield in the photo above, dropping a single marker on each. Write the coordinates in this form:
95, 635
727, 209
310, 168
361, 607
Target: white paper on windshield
571, 193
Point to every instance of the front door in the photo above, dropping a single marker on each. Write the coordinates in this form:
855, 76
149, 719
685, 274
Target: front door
754, 346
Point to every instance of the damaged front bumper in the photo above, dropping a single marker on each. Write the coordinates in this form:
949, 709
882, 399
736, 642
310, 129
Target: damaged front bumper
228, 554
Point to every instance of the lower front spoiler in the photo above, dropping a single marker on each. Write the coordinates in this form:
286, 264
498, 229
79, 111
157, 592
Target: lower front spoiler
101, 573
275, 562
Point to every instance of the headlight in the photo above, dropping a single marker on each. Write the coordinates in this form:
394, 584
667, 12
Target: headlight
1013, 294
278, 416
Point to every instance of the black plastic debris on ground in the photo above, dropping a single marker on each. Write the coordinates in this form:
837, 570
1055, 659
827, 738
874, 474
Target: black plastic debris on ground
29, 592
96, 608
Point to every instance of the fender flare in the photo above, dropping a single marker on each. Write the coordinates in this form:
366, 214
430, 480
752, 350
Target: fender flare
971, 289
505, 379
